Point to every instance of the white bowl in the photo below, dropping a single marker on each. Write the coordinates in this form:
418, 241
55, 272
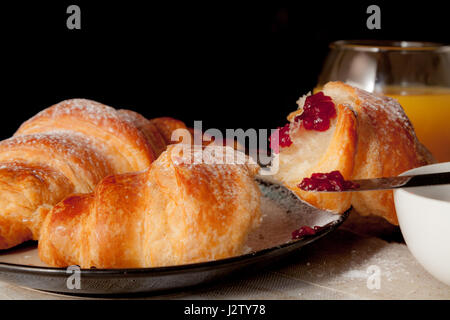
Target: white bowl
424, 218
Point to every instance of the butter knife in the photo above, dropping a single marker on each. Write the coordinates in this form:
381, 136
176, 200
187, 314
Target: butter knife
408, 181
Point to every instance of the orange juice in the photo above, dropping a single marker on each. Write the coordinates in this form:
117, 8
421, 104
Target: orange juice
428, 108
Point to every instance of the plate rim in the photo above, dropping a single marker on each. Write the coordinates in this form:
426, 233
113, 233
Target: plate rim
13, 267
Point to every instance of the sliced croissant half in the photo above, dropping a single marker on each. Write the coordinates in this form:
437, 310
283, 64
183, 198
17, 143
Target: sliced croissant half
368, 136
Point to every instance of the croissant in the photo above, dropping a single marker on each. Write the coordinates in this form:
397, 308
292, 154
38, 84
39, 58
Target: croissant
369, 136
175, 212
68, 148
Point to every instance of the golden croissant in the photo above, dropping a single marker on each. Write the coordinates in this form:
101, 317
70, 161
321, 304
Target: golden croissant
368, 136
175, 212
68, 148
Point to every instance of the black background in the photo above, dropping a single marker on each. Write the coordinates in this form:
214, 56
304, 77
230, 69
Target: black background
230, 64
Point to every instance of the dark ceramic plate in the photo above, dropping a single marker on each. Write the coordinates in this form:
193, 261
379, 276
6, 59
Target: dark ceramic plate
282, 212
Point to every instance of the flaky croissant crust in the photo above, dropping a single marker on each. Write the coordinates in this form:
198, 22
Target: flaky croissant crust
66, 148
172, 213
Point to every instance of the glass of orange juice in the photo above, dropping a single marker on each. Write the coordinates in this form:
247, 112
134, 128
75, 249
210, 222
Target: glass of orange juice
417, 74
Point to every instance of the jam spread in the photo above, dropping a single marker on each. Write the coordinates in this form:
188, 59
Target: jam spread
333, 181
305, 231
317, 112
284, 140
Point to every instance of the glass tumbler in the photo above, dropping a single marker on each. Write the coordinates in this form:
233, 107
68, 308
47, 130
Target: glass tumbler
417, 74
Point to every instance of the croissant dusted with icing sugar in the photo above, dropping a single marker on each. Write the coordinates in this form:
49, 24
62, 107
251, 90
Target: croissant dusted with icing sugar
68, 148
370, 137
175, 212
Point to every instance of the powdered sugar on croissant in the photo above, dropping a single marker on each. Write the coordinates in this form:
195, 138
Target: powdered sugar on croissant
176, 212
68, 148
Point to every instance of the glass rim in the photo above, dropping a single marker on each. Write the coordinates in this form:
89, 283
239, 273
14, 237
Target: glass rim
389, 45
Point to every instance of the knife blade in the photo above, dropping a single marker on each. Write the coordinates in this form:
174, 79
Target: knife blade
407, 181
